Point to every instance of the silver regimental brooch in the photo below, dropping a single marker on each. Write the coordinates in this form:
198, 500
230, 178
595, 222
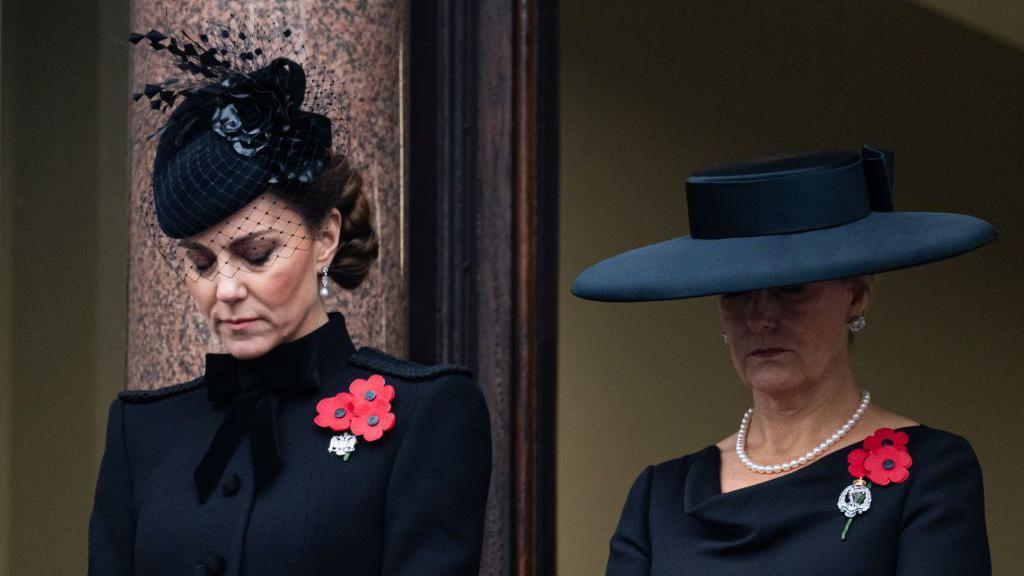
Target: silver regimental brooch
855, 499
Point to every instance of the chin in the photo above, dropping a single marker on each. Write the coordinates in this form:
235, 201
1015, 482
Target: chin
248, 348
773, 379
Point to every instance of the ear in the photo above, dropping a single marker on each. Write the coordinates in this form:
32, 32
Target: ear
861, 288
326, 237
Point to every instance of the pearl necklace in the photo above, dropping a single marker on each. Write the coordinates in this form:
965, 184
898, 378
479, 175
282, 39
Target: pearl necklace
741, 442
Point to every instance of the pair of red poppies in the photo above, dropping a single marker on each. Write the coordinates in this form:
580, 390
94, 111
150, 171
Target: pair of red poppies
365, 409
883, 458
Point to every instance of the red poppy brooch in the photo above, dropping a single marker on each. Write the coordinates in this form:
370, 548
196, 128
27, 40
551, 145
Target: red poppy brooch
365, 410
882, 459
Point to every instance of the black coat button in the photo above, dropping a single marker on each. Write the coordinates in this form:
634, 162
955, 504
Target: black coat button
212, 565
231, 486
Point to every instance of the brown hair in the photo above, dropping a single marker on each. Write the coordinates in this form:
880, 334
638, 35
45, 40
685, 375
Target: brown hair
340, 186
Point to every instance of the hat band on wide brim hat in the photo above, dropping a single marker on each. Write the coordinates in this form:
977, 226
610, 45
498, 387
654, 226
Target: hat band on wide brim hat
781, 221
753, 205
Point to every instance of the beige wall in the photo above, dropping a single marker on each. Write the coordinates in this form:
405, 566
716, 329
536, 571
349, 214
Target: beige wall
110, 197
5, 323
62, 208
1001, 19
650, 92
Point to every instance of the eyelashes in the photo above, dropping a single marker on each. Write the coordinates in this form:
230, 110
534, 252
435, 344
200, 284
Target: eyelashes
203, 261
260, 258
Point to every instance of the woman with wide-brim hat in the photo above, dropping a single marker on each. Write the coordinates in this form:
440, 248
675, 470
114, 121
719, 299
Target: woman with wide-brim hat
295, 452
818, 479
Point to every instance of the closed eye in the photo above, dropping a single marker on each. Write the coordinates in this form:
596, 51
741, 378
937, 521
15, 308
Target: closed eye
259, 258
201, 259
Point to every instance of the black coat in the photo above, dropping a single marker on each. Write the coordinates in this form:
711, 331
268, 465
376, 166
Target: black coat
677, 522
411, 502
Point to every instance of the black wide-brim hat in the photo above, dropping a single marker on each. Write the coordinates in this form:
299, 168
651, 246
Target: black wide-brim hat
782, 221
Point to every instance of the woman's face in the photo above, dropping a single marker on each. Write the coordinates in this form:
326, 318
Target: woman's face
784, 338
258, 277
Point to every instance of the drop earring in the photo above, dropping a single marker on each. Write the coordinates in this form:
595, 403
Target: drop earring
857, 324
725, 338
323, 282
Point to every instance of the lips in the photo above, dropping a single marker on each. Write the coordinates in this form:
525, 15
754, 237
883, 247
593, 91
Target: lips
767, 352
238, 323
237, 320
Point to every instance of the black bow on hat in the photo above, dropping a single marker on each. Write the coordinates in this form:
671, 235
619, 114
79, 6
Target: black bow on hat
252, 388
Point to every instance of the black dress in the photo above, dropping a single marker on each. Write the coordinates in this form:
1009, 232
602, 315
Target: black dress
677, 522
410, 502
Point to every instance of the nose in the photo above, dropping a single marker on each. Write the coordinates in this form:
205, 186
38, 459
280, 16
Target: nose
762, 312
230, 289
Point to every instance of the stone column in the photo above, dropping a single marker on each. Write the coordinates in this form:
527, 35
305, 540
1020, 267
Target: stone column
362, 43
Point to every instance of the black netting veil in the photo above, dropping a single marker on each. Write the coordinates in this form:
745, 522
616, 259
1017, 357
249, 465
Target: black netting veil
242, 169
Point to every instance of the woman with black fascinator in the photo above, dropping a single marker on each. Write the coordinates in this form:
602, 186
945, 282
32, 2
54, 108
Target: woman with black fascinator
295, 452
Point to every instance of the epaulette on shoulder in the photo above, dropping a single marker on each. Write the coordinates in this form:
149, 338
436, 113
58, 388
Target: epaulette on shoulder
378, 361
143, 396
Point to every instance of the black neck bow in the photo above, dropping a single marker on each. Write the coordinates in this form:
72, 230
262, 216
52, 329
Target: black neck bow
252, 388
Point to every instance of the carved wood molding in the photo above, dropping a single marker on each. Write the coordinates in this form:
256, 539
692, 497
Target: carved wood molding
483, 242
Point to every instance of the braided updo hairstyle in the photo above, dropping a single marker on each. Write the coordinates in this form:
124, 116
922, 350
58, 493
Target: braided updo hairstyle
340, 186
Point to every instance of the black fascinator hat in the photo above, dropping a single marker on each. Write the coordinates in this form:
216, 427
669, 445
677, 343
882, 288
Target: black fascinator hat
242, 118
785, 220
228, 141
